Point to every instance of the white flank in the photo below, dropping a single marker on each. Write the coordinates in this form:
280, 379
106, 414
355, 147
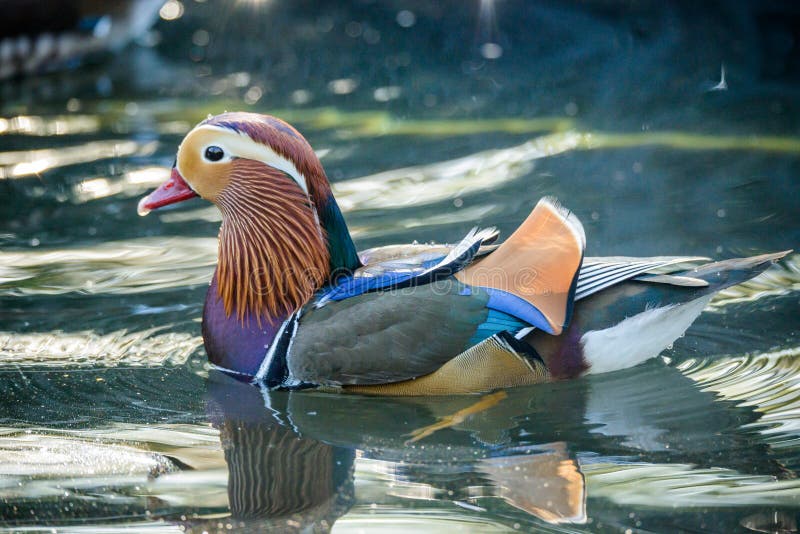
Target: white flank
241, 146
640, 337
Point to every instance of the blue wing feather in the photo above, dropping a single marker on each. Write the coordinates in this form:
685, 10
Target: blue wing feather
458, 258
513, 305
507, 312
496, 322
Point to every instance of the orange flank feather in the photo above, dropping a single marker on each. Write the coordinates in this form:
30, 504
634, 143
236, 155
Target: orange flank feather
273, 255
538, 263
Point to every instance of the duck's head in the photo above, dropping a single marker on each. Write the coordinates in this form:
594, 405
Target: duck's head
222, 152
282, 234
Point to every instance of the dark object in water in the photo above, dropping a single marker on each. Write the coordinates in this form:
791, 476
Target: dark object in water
38, 36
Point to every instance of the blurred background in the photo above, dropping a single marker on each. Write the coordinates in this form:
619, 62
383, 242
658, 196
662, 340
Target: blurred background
668, 127
540, 56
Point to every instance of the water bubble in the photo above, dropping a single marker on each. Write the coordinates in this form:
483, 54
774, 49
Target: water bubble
406, 18
384, 94
301, 96
171, 10
324, 24
201, 38
240, 79
571, 109
353, 29
253, 95
372, 36
491, 50
342, 86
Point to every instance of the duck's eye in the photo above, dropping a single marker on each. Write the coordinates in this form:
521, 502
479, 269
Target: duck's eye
214, 153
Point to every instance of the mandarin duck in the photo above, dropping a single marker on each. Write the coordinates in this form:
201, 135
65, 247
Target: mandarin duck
292, 304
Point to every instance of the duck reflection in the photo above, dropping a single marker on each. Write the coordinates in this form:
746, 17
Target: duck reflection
548, 485
519, 452
274, 473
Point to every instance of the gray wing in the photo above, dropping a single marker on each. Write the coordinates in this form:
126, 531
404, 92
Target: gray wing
597, 274
385, 336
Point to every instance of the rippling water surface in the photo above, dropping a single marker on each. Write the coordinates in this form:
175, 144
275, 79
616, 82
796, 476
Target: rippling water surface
110, 419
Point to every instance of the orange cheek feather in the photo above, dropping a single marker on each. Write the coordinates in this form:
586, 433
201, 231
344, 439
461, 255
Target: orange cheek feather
208, 179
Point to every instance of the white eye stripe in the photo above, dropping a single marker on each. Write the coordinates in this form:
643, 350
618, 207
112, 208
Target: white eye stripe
237, 145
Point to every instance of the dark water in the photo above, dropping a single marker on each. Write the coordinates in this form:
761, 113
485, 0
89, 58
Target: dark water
109, 417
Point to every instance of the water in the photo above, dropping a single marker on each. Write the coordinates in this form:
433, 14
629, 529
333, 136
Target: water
110, 419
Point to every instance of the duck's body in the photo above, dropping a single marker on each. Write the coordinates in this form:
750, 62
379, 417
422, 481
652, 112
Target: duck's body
404, 344
292, 305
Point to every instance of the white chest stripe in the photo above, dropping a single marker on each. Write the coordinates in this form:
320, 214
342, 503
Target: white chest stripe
640, 337
263, 369
291, 381
226, 370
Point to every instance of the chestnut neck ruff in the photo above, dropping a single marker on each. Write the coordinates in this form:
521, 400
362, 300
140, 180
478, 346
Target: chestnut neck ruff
273, 254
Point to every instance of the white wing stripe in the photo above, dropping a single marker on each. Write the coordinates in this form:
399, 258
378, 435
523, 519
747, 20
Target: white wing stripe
589, 275
620, 270
595, 284
597, 274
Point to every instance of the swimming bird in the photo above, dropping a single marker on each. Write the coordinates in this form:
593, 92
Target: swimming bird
292, 304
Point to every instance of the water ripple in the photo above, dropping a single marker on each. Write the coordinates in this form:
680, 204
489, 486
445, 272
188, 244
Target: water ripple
30, 162
769, 383
781, 278
131, 183
194, 445
428, 184
47, 126
122, 267
90, 349
683, 485
36, 455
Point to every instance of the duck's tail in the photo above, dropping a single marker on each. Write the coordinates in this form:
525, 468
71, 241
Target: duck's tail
635, 320
726, 273
538, 264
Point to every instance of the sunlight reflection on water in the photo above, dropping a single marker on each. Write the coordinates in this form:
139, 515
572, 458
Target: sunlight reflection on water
132, 266
674, 484
46, 126
767, 382
39, 455
90, 349
25, 163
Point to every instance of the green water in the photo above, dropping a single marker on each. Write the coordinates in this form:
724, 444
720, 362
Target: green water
110, 419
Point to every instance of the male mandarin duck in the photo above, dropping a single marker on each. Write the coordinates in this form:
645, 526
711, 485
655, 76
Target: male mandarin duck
292, 304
